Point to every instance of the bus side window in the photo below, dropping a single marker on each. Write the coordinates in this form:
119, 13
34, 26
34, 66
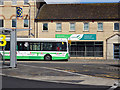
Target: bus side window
31, 47
7, 46
20, 46
41, 46
17, 48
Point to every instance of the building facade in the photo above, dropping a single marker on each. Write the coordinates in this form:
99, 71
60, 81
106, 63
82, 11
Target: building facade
92, 28
8, 16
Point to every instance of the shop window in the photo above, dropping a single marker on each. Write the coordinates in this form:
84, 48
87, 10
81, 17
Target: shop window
1, 23
58, 27
45, 26
86, 49
116, 26
89, 49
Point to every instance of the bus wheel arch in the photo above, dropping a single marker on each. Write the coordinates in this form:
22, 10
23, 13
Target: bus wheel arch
47, 57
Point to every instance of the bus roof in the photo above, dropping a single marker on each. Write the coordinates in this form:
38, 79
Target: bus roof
41, 39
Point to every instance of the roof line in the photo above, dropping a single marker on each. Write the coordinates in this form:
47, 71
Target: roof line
116, 19
81, 3
39, 11
113, 36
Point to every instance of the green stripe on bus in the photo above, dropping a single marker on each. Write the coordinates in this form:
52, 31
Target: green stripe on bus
6, 53
38, 57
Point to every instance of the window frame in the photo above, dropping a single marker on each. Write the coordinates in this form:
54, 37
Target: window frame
3, 22
24, 21
74, 26
84, 26
114, 26
58, 26
2, 2
12, 23
98, 26
15, 2
43, 27
25, 2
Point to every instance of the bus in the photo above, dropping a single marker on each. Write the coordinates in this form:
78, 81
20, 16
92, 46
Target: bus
38, 49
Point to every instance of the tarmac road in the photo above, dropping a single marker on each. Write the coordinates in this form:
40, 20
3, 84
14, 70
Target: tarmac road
97, 70
76, 74
10, 82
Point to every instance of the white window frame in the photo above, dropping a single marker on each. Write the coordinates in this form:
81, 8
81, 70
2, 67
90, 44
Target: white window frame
23, 23
57, 27
84, 26
114, 26
98, 26
74, 26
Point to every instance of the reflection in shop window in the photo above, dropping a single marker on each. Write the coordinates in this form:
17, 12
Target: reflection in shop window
86, 49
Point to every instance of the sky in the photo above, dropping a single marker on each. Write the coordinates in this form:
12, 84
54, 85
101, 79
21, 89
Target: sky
80, 1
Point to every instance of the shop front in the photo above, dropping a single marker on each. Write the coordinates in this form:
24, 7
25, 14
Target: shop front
83, 45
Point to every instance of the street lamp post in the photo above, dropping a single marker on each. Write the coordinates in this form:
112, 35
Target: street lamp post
29, 18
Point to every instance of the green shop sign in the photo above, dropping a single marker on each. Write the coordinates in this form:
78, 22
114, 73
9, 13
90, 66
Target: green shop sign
62, 35
77, 36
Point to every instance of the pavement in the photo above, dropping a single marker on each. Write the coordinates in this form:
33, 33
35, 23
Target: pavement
60, 76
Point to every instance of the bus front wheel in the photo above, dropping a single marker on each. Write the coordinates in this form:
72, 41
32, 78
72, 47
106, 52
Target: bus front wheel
47, 57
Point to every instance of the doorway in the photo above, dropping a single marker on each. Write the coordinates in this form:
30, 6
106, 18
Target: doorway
117, 51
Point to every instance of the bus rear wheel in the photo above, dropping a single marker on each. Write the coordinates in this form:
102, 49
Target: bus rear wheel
48, 57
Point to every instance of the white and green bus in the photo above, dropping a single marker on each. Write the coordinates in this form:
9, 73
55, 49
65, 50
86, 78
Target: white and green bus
38, 49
